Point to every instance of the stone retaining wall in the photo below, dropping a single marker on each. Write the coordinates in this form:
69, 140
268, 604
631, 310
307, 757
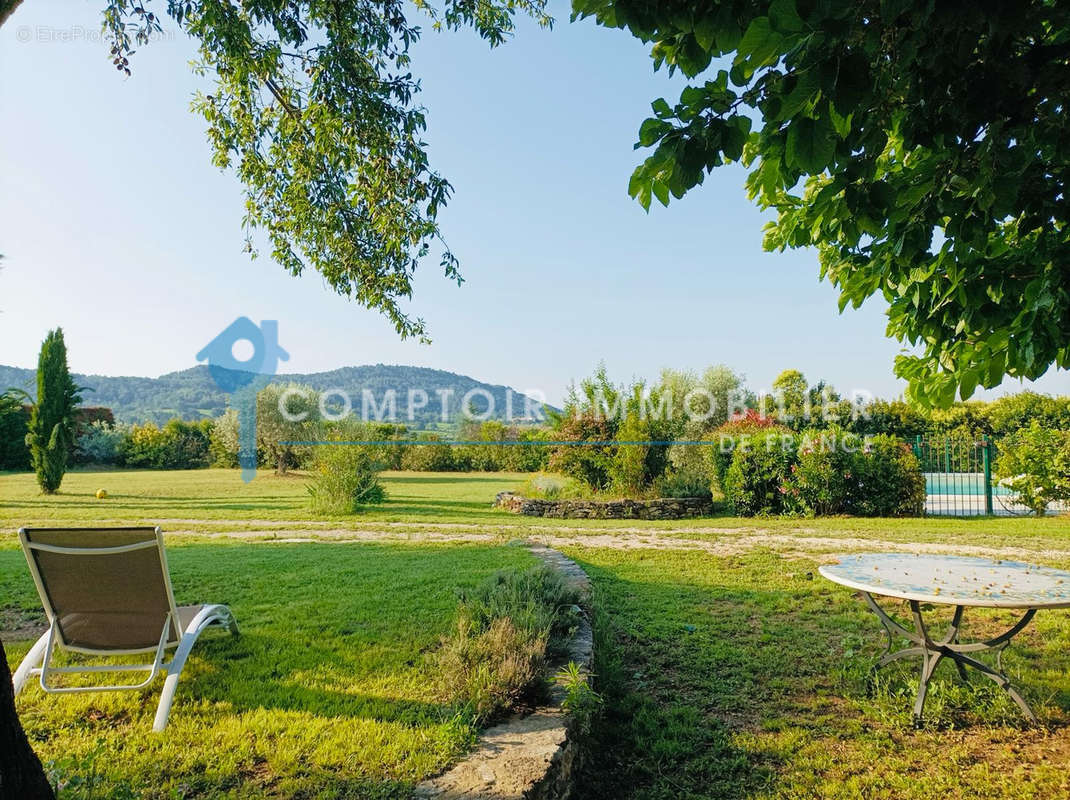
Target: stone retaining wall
532, 757
661, 508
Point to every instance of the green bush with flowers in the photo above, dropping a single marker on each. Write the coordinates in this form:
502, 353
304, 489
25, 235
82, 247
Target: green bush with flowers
820, 473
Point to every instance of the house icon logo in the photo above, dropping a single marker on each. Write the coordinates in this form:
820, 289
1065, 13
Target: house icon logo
242, 379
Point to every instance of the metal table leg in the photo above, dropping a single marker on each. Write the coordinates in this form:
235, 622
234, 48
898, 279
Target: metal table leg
932, 651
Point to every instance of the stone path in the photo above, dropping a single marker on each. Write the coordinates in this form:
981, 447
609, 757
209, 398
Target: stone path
723, 541
529, 757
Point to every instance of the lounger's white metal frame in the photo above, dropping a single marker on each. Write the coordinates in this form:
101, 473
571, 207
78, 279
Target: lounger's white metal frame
38, 662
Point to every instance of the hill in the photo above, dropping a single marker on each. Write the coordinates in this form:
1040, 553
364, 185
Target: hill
192, 394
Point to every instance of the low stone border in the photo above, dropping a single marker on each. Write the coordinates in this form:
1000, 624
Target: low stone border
660, 508
532, 757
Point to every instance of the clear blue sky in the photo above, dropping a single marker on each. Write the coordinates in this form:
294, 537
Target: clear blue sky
116, 226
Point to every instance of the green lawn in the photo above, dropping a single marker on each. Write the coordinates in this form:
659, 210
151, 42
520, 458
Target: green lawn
746, 677
730, 668
216, 500
328, 692
193, 497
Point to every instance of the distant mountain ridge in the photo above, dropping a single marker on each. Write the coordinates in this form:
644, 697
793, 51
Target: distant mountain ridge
192, 394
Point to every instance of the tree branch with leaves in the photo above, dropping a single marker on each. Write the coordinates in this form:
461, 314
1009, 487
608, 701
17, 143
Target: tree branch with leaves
314, 110
921, 147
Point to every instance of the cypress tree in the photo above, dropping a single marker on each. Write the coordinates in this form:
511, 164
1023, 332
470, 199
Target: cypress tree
52, 424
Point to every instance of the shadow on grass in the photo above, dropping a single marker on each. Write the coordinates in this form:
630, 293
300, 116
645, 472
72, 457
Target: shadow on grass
469, 510
727, 682
452, 478
134, 502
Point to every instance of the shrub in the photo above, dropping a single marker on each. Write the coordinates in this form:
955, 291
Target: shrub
889, 479
223, 443
683, 482
98, 443
826, 472
725, 439
1035, 464
528, 454
1015, 412
491, 671
500, 447
178, 445
187, 444
390, 456
490, 454
893, 417
628, 470
432, 455
142, 446
554, 487
345, 477
701, 403
85, 416
507, 628
754, 482
14, 421
581, 701
635, 468
824, 477
590, 463
506, 448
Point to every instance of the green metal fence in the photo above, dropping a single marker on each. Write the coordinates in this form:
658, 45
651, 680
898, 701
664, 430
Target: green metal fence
958, 475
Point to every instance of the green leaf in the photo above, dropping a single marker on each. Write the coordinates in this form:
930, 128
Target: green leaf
755, 39
809, 146
968, 384
706, 32
996, 365
661, 191
840, 124
783, 16
644, 196
806, 88
728, 31
946, 391
734, 137
651, 130
635, 183
851, 83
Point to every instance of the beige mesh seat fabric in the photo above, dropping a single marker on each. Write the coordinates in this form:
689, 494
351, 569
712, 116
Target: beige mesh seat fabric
107, 592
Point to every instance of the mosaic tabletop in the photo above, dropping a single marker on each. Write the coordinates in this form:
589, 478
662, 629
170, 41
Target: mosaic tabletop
954, 580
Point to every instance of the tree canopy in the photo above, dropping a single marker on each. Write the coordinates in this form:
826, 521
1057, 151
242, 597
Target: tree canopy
922, 147
314, 108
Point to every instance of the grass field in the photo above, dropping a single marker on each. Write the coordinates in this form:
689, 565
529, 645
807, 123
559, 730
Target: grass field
220, 496
328, 692
212, 501
746, 677
730, 669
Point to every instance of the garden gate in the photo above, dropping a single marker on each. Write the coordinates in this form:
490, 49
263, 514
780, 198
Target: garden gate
958, 474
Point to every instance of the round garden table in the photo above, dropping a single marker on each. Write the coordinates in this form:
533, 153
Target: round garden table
959, 581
